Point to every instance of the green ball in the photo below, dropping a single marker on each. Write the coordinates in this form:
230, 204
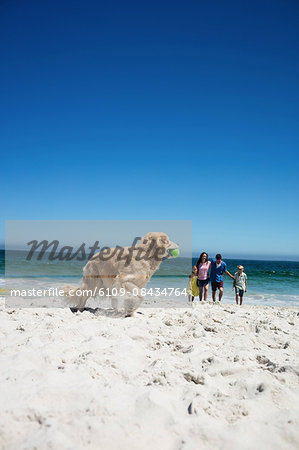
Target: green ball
175, 252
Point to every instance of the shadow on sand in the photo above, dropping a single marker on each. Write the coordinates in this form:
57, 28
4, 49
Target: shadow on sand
103, 312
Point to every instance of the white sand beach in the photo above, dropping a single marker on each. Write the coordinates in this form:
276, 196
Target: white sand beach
211, 377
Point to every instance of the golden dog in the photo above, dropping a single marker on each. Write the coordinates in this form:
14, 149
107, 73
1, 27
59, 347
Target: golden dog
125, 268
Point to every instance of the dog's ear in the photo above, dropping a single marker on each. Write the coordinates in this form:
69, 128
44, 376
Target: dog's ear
163, 240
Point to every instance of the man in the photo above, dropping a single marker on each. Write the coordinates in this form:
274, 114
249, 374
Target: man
218, 268
240, 284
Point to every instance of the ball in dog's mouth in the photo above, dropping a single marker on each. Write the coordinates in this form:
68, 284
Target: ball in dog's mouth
174, 252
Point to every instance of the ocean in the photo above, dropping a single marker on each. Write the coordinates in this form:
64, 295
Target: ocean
271, 283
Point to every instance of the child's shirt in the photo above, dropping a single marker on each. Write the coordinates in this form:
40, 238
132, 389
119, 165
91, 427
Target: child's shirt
240, 280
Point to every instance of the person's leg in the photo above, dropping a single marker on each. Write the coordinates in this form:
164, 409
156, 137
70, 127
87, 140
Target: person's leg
200, 293
237, 298
220, 293
192, 298
213, 292
189, 298
241, 298
206, 291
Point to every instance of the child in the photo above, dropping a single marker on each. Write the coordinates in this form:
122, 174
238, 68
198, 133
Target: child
192, 289
240, 284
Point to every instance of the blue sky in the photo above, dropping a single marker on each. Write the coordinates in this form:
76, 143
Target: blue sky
154, 110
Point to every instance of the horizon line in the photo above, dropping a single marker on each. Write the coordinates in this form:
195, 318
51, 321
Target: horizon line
254, 257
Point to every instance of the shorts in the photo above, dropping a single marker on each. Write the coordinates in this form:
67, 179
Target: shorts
202, 283
216, 285
239, 291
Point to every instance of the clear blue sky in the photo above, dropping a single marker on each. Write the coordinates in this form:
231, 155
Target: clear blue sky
154, 110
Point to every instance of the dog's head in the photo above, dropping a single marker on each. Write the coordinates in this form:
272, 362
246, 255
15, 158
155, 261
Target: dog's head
159, 246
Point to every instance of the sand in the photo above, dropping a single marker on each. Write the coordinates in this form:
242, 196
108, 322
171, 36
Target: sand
211, 377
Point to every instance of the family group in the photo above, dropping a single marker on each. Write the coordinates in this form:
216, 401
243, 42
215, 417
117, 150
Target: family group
206, 271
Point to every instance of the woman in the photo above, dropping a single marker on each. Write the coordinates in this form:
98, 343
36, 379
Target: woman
203, 267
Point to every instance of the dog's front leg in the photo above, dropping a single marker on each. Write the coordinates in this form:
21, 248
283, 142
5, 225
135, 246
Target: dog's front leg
133, 298
132, 304
114, 303
129, 293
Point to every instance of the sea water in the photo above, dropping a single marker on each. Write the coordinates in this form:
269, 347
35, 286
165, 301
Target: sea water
272, 283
